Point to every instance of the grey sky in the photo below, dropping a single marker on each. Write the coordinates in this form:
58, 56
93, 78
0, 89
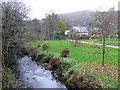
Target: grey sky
41, 7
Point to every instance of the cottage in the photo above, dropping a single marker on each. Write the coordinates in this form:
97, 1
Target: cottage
81, 31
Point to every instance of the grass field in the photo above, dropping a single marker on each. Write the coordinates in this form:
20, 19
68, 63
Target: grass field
85, 53
111, 41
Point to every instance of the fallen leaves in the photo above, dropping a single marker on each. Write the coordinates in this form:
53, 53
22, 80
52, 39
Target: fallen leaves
107, 76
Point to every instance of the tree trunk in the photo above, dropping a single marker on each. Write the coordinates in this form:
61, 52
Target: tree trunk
103, 51
60, 45
48, 33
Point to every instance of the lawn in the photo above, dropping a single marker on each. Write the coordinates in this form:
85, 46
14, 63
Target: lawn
85, 53
110, 41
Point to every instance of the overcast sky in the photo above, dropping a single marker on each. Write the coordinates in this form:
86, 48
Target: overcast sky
41, 7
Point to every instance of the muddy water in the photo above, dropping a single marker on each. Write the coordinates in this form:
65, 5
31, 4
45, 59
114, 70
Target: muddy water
36, 76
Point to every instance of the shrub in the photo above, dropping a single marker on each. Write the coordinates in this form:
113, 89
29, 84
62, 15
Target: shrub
45, 46
61, 66
65, 52
8, 78
38, 46
33, 53
24, 51
48, 57
92, 75
68, 63
45, 57
78, 79
83, 37
54, 61
40, 56
13, 28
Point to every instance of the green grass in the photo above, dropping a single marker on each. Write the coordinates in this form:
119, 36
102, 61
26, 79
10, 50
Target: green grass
84, 53
111, 41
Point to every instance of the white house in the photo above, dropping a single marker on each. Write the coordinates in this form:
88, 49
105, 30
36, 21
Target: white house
81, 31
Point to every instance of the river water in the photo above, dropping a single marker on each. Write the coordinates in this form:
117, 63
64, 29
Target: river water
35, 76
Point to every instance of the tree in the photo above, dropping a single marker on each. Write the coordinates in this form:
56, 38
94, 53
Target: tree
105, 27
34, 29
61, 31
77, 18
52, 21
36, 25
13, 28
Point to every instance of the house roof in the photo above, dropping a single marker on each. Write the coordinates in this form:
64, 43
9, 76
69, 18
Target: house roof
80, 29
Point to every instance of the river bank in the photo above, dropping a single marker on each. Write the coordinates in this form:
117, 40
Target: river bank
71, 73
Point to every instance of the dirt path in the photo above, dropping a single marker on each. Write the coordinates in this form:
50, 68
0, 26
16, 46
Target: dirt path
98, 44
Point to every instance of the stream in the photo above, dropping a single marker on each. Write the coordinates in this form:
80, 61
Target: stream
35, 76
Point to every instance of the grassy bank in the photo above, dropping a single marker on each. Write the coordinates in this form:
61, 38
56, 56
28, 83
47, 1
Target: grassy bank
83, 66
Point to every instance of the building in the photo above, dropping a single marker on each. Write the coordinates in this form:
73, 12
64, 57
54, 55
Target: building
81, 31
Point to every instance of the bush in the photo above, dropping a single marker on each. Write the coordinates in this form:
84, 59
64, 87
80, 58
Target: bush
79, 79
92, 75
65, 52
38, 46
45, 46
62, 65
69, 63
13, 28
45, 57
48, 57
54, 61
40, 56
8, 78
24, 51
33, 53
84, 37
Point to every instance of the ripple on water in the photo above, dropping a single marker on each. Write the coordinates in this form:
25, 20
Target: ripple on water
36, 76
